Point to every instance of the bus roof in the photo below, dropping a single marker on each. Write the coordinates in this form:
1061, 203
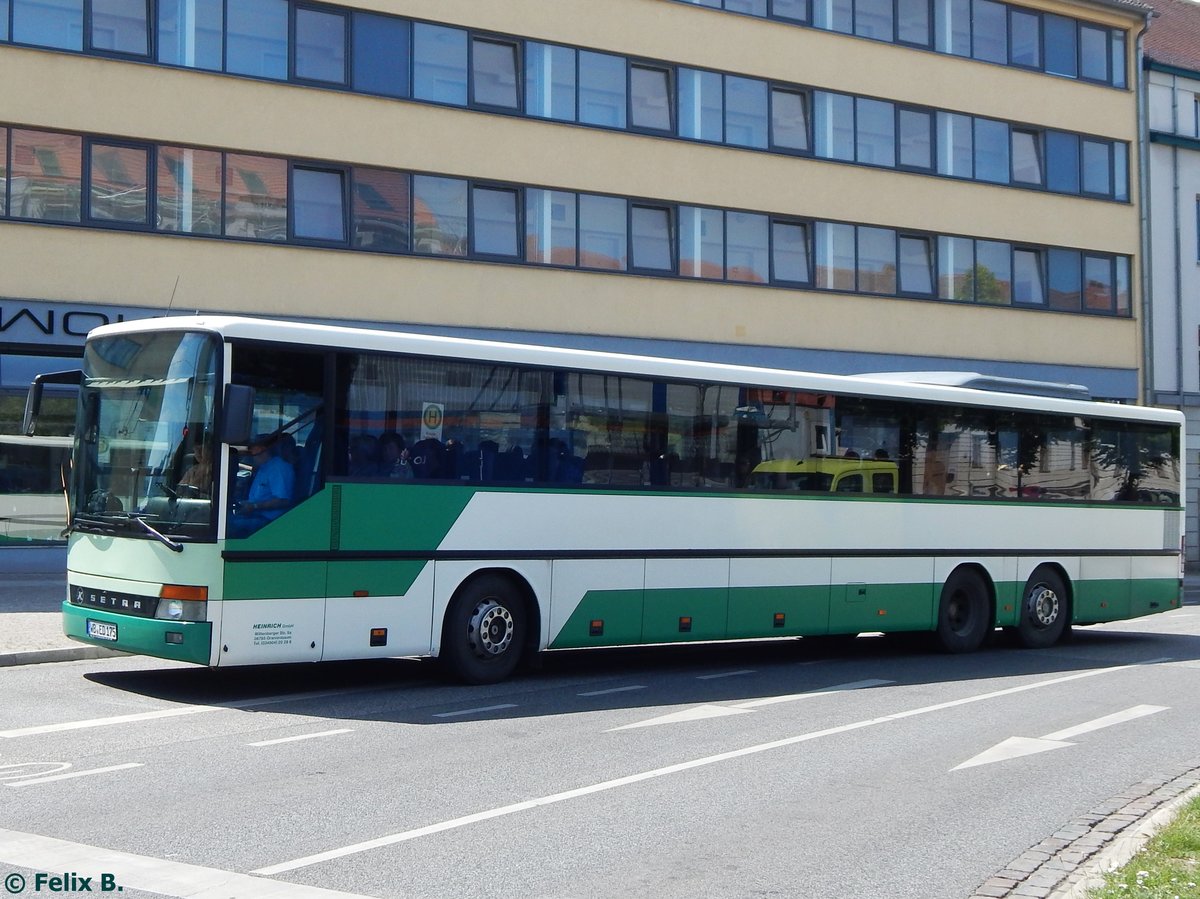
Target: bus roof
953, 388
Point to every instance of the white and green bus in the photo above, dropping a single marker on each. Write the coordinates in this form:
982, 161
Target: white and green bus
482, 502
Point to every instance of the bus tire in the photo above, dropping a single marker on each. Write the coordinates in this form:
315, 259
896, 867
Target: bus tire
483, 635
1045, 609
964, 612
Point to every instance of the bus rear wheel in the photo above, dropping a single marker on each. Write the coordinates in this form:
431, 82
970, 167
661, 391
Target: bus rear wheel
484, 631
964, 612
1044, 610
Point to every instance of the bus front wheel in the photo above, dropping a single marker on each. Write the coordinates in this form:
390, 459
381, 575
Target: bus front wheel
964, 612
1044, 610
484, 632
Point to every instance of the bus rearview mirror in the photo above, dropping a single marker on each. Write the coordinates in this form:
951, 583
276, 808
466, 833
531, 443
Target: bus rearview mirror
239, 414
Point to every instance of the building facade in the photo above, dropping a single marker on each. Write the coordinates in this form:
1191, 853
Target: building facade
834, 185
1172, 62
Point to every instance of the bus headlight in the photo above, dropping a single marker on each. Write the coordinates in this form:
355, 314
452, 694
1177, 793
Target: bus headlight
182, 603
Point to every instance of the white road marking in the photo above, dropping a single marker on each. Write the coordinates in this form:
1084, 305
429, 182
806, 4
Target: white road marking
1019, 747
725, 674
480, 710
20, 770
792, 697
154, 875
579, 792
696, 713
612, 690
324, 733
72, 774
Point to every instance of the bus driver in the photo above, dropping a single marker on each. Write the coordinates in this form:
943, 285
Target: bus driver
270, 491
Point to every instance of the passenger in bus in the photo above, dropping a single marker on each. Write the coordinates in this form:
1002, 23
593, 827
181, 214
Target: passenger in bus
393, 456
270, 493
364, 456
197, 480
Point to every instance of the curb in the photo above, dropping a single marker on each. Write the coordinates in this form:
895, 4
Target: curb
1074, 860
68, 654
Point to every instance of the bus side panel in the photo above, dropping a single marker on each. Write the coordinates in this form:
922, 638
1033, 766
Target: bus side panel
394, 596
1155, 585
449, 576
883, 594
1102, 591
265, 631
607, 591
686, 599
762, 589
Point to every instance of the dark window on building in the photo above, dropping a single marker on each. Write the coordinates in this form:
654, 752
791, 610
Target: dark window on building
992, 144
1062, 48
1117, 65
916, 265
494, 67
1029, 282
701, 105
955, 145
318, 204
834, 15
1027, 156
256, 197
320, 46
120, 26
380, 207
1064, 273
749, 7
793, 10
602, 89
382, 53
875, 132
789, 119
1094, 54
916, 139
550, 81
1062, 162
257, 38
550, 227
992, 272
835, 256
1026, 47
989, 32
956, 261
603, 232
118, 185
439, 215
494, 222
747, 248
833, 125
46, 176
745, 112
188, 190
874, 19
650, 98
789, 252
701, 242
952, 26
650, 238
1120, 170
59, 25
440, 64
913, 21
1098, 288
191, 33
1097, 167
876, 260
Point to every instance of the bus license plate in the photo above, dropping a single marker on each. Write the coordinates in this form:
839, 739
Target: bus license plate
101, 630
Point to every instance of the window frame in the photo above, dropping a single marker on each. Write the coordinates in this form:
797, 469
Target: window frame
518, 197
518, 57
295, 9
86, 216
344, 173
89, 28
668, 75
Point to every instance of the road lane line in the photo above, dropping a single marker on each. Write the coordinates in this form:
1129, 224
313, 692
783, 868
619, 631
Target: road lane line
481, 709
825, 691
1130, 714
725, 674
612, 690
324, 733
153, 875
579, 792
73, 774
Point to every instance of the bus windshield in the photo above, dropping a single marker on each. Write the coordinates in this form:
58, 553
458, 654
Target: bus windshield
144, 439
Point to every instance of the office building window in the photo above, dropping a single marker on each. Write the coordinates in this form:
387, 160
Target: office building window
992, 272
701, 105
916, 139
494, 67
1116, 47
874, 19
992, 144
602, 89
1026, 157
701, 242
955, 145
188, 190
440, 64
956, 259
118, 185
952, 27
46, 176
833, 125
48, 23
1062, 162
320, 46
1062, 45
789, 120
318, 204
380, 208
1026, 29
1028, 277
120, 26
1098, 288
789, 252
792, 10
1094, 55
256, 197
1097, 168
494, 222
4, 170
650, 233
875, 132
1064, 274
834, 15
835, 256
747, 250
745, 112
1122, 266
650, 98
257, 38
1120, 170
191, 33
3, 23
603, 232
382, 52
439, 215
550, 81
550, 227
916, 265
989, 31
913, 22
876, 260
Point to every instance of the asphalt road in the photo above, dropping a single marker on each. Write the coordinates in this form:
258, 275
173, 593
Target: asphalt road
877, 769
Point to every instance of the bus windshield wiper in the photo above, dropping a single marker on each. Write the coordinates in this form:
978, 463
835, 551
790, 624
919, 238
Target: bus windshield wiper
158, 535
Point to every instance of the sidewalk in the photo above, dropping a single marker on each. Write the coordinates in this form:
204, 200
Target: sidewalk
31, 594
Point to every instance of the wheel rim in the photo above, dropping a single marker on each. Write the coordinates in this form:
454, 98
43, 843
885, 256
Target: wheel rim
490, 629
958, 612
1043, 605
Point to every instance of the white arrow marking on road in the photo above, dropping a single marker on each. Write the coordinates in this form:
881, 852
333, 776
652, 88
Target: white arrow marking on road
1016, 747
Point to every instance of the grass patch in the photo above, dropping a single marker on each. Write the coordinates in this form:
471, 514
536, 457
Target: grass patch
1167, 867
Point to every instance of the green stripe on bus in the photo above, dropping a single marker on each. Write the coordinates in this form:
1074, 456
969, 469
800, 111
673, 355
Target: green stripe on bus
147, 636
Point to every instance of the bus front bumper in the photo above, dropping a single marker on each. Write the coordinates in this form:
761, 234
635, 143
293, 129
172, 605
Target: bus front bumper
183, 641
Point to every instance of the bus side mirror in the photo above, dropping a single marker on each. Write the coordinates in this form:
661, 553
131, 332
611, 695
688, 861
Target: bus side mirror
33, 399
239, 414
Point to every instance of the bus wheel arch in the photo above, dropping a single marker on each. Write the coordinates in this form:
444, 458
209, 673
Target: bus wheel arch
1045, 610
491, 623
966, 610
